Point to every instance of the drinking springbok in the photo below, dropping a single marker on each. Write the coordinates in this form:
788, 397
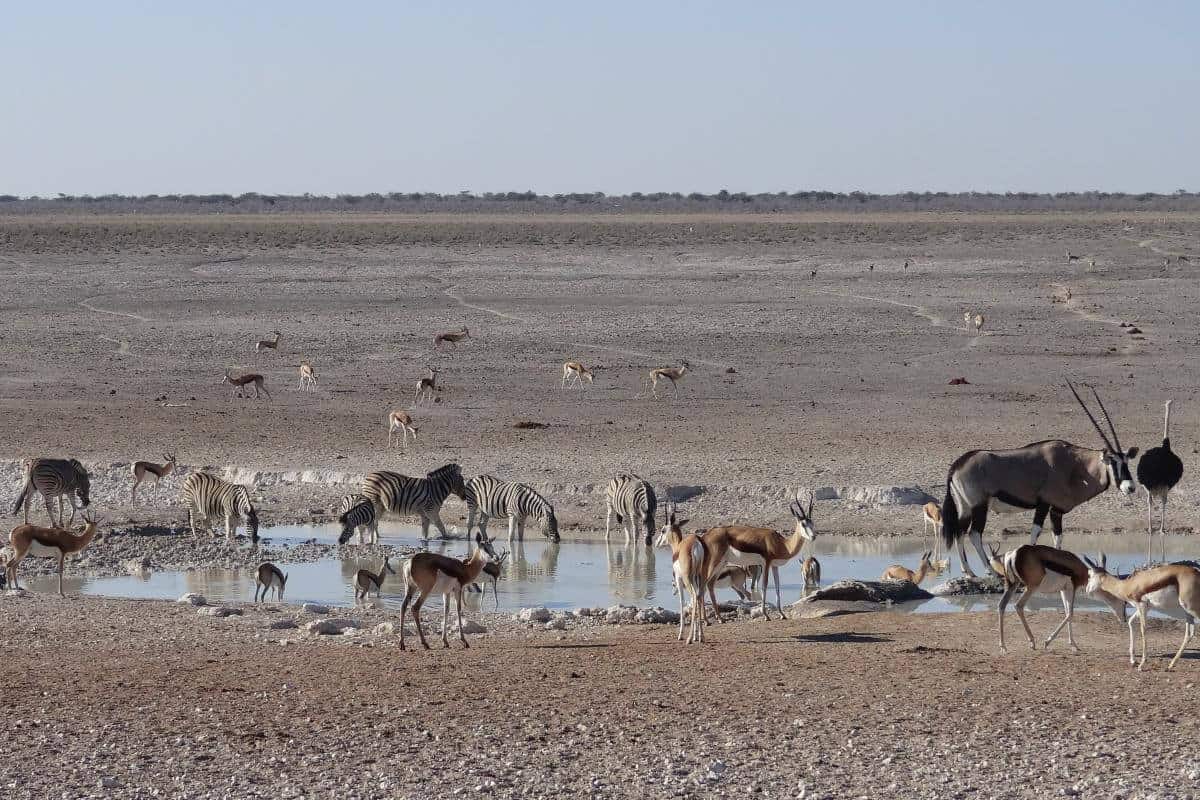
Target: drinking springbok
1173, 589
453, 337
366, 581
268, 577
1050, 477
431, 573
1045, 570
672, 374
33, 540
810, 571
267, 344
141, 469
573, 370
239, 383
400, 420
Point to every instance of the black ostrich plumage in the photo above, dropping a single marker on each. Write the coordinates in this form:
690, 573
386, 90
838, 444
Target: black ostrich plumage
1159, 469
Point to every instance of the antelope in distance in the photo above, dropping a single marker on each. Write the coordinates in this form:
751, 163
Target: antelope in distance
268, 577
1158, 470
267, 344
672, 374
427, 387
366, 581
55, 477
431, 573
925, 569
967, 315
1046, 570
308, 377
762, 547
978, 321
931, 515
810, 571
453, 337
1049, 477
239, 384
400, 420
32, 540
1071, 257
1173, 589
577, 372
687, 568
141, 469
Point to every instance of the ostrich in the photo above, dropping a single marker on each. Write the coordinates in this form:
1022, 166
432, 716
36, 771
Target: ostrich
1158, 471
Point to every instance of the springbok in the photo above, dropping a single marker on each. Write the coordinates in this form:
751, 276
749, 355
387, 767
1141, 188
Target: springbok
453, 337
967, 315
1071, 257
1173, 589
810, 571
1051, 477
427, 387
490, 574
431, 573
267, 344
672, 374
400, 420
573, 370
1046, 570
269, 577
239, 384
33, 540
925, 569
932, 515
141, 469
746, 546
978, 321
731, 576
687, 568
308, 377
366, 581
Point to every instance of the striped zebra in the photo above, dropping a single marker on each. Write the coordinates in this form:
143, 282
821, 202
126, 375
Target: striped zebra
492, 497
632, 500
393, 493
208, 496
55, 477
357, 513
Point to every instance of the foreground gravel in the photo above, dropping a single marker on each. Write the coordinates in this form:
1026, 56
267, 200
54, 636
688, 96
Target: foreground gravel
112, 698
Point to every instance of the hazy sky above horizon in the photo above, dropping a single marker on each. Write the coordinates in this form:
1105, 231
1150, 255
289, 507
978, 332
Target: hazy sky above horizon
274, 97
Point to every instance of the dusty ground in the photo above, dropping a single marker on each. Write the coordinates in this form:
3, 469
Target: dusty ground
117, 330
145, 699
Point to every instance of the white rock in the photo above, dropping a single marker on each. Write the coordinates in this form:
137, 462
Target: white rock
282, 625
220, 611
193, 599
471, 626
556, 624
540, 614
315, 608
331, 627
386, 629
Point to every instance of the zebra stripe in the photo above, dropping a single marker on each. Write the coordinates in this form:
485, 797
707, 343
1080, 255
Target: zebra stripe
633, 502
357, 513
393, 493
55, 477
492, 497
208, 496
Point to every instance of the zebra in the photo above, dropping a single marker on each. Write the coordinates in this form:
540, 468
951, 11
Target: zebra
55, 477
632, 500
207, 496
492, 497
393, 493
357, 513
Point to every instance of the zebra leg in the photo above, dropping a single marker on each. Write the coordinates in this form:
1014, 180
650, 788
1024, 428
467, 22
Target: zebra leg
521, 529
437, 521
607, 520
512, 528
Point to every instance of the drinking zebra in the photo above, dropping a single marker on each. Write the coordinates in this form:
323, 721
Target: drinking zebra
491, 497
55, 477
208, 496
632, 500
393, 493
357, 513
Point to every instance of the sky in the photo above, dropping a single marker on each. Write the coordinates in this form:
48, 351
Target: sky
293, 97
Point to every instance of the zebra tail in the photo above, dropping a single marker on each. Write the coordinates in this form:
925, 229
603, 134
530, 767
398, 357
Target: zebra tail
24, 493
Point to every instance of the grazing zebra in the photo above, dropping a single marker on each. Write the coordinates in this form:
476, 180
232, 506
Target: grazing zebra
208, 496
492, 497
55, 477
632, 500
357, 513
393, 493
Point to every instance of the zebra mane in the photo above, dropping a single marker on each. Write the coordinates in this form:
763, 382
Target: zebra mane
445, 471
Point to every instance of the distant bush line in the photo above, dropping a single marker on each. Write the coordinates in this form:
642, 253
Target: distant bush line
598, 202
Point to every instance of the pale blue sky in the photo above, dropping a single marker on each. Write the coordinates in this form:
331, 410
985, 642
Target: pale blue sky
289, 97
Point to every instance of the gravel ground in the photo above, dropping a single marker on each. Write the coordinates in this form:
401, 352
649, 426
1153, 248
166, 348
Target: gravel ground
153, 699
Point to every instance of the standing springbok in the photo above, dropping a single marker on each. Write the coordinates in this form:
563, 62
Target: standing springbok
573, 370
427, 387
932, 515
978, 321
240, 382
1071, 257
308, 377
1173, 589
400, 420
1050, 477
764, 547
366, 581
1046, 570
33, 540
672, 374
267, 344
141, 469
269, 577
453, 337
431, 573
967, 315
687, 569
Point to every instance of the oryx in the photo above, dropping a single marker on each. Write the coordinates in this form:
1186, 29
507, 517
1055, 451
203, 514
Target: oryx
1050, 477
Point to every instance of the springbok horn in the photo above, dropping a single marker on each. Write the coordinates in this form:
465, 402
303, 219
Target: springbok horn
797, 510
1099, 430
1104, 411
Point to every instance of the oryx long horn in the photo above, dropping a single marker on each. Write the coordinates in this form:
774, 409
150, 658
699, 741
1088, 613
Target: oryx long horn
1082, 405
1104, 411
